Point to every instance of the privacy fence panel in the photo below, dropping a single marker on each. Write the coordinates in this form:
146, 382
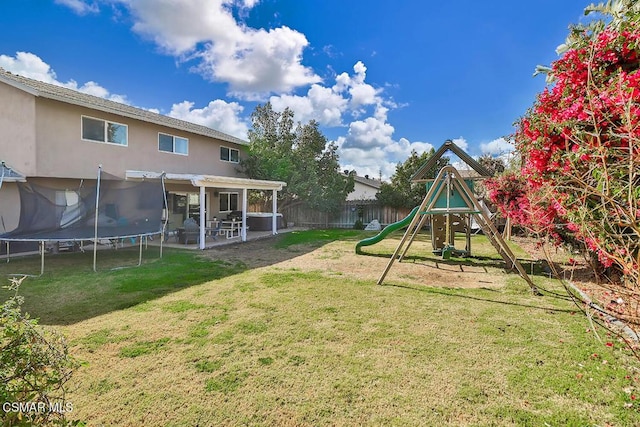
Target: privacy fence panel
299, 215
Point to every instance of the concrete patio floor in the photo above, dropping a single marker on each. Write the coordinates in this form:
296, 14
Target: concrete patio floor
210, 242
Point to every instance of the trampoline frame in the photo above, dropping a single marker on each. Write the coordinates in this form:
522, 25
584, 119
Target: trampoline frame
95, 239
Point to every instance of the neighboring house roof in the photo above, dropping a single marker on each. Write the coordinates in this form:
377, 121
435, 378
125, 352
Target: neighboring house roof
468, 173
69, 96
374, 183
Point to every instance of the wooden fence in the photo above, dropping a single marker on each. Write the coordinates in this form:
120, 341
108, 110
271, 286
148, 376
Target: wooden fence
301, 216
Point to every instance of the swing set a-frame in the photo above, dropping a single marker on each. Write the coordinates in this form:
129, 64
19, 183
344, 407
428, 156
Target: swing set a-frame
450, 196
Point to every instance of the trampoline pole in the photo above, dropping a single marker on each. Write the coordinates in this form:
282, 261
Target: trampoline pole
165, 223
95, 235
8, 255
140, 257
42, 257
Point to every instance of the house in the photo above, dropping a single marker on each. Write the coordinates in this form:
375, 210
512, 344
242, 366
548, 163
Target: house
365, 188
59, 138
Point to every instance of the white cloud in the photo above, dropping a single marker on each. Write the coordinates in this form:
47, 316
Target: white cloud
320, 103
80, 7
361, 93
497, 147
369, 147
369, 133
366, 162
253, 62
461, 142
29, 65
327, 105
220, 115
32, 66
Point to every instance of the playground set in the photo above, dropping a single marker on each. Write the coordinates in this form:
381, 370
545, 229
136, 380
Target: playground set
451, 206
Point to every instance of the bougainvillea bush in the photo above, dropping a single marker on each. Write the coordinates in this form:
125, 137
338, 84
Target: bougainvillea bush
580, 149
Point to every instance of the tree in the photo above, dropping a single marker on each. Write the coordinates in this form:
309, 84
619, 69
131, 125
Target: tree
35, 366
495, 165
299, 155
580, 144
401, 192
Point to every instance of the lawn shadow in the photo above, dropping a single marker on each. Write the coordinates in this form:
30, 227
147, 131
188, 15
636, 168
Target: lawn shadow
531, 266
70, 291
453, 294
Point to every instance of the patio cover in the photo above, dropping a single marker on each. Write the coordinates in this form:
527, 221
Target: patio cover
9, 175
214, 181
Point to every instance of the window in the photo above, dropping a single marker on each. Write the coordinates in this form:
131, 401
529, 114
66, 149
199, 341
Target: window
173, 144
228, 202
104, 131
229, 154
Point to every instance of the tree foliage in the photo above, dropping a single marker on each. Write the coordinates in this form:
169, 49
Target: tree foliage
580, 145
401, 192
495, 165
298, 154
35, 365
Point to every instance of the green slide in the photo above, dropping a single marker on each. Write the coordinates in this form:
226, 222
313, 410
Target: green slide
385, 231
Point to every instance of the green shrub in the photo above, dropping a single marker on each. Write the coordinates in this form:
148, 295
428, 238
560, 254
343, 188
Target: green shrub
358, 225
35, 365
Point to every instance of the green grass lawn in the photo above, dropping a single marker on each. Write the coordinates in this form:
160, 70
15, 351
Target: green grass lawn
187, 341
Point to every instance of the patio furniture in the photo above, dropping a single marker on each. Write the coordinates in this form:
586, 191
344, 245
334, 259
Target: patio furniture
189, 232
215, 230
231, 228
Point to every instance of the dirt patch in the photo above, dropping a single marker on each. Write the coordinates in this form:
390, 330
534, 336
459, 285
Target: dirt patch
340, 259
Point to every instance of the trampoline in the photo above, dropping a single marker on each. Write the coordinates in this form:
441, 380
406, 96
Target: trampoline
110, 210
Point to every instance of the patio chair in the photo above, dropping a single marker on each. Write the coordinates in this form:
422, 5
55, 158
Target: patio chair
215, 232
190, 231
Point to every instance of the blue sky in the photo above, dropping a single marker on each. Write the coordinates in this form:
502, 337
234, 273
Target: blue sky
382, 78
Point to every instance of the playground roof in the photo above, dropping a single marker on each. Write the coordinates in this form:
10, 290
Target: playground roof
450, 146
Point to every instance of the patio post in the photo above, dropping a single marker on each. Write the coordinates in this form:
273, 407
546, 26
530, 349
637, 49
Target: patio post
274, 218
203, 222
243, 232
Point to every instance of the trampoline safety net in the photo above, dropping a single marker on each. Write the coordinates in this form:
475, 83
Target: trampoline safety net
125, 209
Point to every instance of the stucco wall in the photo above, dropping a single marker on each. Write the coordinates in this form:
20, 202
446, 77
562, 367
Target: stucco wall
9, 207
62, 152
17, 129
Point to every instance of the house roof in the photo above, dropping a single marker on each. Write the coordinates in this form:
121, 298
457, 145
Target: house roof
375, 183
450, 146
69, 96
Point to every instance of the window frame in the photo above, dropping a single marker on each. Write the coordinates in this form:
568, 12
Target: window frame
106, 130
229, 149
227, 195
173, 139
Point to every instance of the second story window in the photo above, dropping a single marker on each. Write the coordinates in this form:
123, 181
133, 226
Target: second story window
104, 131
229, 155
173, 144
